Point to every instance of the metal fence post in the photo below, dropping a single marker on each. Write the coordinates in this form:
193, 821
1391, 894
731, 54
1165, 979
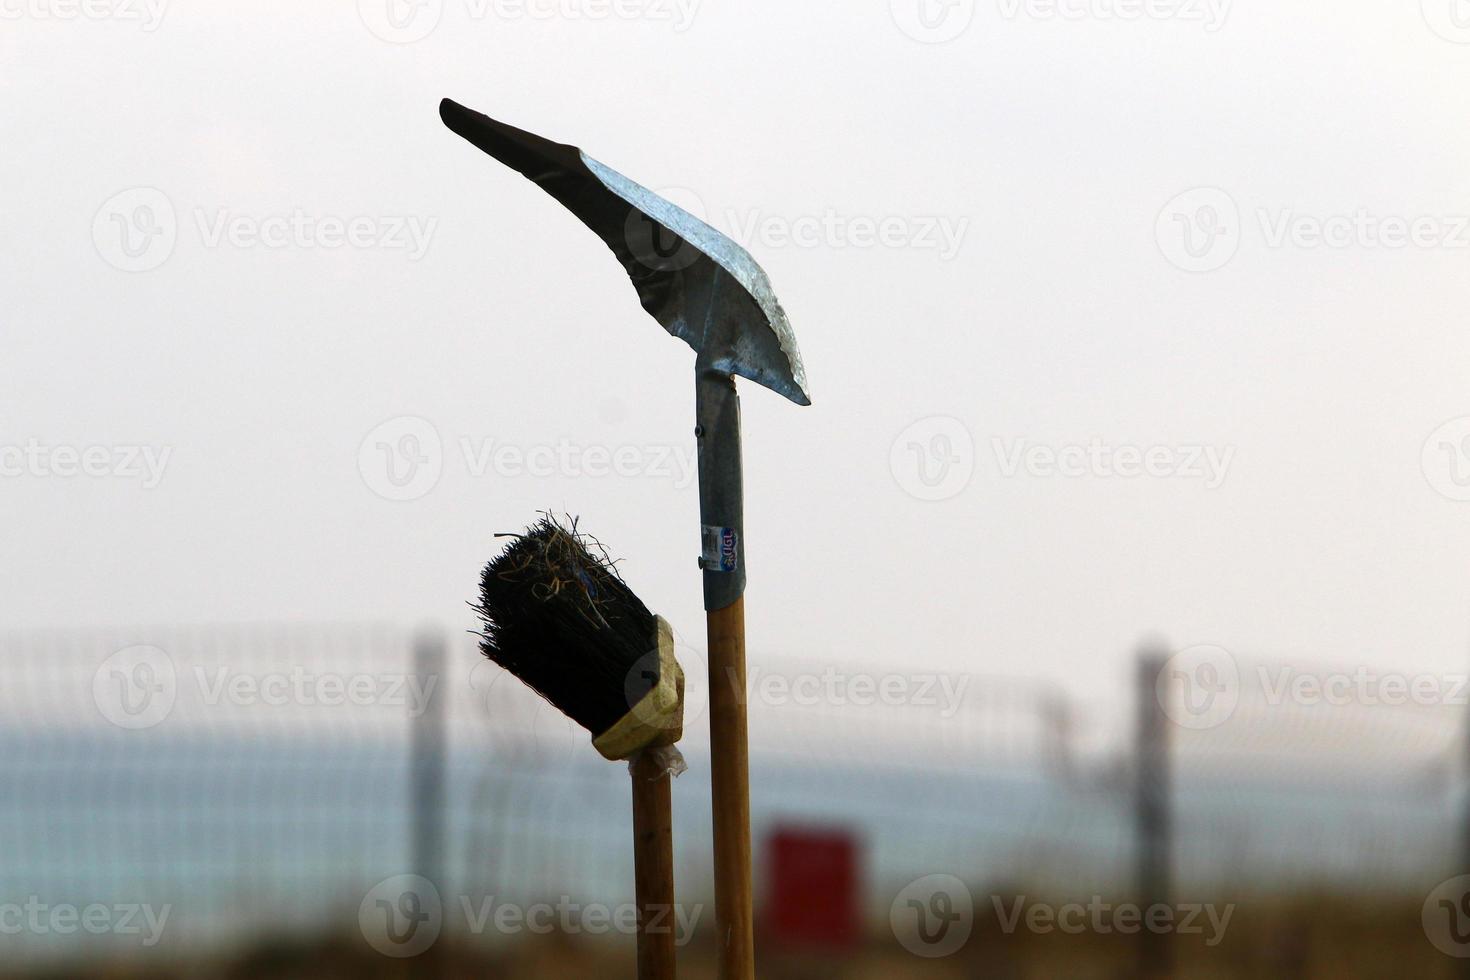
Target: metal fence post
427, 762
1152, 828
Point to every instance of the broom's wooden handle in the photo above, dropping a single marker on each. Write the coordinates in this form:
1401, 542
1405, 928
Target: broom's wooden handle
653, 860
730, 765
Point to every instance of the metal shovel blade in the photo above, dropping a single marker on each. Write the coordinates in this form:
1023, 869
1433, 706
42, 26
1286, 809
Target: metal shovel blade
698, 284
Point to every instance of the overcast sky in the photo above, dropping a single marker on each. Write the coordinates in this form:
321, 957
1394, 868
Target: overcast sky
1219, 246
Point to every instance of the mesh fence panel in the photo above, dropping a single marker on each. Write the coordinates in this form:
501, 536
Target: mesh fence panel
254, 782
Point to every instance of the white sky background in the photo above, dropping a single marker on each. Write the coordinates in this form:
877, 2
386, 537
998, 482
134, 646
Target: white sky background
1061, 318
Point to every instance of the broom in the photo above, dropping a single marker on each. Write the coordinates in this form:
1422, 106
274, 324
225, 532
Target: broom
559, 616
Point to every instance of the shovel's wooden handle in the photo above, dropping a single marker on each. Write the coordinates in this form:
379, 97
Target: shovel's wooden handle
653, 861
730, 767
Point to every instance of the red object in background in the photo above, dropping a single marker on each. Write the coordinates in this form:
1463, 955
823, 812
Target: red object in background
812, 898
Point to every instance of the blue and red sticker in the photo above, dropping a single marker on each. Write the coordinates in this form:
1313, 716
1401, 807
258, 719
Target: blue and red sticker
720, 549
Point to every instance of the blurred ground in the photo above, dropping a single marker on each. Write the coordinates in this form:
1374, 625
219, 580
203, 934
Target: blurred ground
1312, 937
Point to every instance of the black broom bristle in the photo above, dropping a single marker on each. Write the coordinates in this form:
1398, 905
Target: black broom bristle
559, 616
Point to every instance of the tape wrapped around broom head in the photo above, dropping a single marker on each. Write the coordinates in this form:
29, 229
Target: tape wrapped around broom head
657, 720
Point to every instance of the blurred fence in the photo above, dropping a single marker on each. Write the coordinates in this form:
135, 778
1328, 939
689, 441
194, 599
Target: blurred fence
260, 781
